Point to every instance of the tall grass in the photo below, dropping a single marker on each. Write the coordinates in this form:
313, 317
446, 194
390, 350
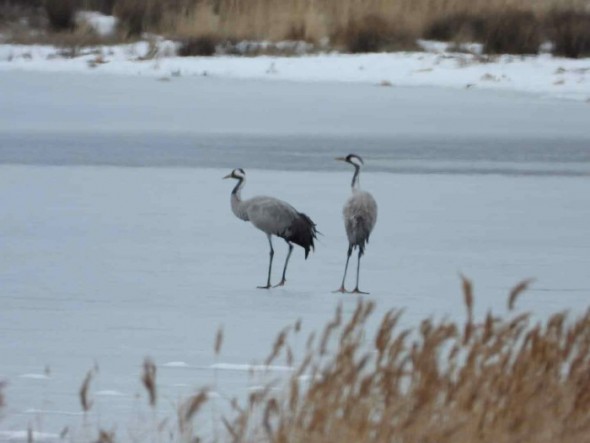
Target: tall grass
498, 379
494, 380
516, 26
503, 26
570, 32
61, 14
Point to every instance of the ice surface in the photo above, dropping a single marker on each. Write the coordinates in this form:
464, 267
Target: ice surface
23, 436
203, 122
247, 367
103, 264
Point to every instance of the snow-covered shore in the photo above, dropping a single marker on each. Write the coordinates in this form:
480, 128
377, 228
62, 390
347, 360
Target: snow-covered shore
542, 75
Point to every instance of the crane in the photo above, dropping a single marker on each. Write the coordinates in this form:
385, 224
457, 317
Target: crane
360, 215
273, 217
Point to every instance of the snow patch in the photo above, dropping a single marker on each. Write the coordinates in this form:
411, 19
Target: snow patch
109, 393
539, 74
438, 47
249, 367
175, 364
35, 376
103, 25
251, 47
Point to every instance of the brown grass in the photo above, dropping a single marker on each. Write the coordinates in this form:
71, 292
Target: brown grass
508, 31
105, 437
512, 32
503, 26
373, 33
457, 27
203, 45
218, 341
138, 16
61, 14
104, 6
355, 25
495, 380
148, 378
570, 32
85, 401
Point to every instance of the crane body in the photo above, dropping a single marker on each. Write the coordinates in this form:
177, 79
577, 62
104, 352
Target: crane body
360, 216
273, 217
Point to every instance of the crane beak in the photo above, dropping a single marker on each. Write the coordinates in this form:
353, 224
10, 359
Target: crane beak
343, 159
227, 176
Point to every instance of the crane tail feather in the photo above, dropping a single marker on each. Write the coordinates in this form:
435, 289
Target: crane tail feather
303, 232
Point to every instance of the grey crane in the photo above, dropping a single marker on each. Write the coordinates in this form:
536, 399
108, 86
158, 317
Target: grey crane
273, 217
360, 215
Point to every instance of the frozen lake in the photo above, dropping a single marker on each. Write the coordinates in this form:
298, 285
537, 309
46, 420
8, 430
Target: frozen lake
104, 262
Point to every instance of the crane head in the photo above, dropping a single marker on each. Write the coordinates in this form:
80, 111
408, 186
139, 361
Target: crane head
237, 174
353, 159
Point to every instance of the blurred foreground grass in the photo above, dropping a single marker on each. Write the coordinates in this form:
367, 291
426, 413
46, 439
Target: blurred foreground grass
498, 379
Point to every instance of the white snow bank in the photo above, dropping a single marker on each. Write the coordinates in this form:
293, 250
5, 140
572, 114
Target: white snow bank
542, 74
103, 25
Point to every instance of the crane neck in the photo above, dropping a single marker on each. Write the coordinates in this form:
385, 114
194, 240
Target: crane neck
355, 185
237, 191
237, 206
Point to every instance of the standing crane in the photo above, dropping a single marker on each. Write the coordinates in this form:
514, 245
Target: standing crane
360, 215
273, 217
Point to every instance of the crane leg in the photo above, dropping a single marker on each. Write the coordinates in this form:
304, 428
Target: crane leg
284, 280
358, 268
272, 253
348, 254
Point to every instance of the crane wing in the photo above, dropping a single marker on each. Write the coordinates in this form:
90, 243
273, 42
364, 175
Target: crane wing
276, 217
360, 215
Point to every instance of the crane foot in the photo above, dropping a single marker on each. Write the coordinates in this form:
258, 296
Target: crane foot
358, 291
281, 283
342, 290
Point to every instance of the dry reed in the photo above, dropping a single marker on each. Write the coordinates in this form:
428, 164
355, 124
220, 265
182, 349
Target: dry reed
218, 340
105, 437
495, 380
502, 26
353, 25
148, 378
85, 402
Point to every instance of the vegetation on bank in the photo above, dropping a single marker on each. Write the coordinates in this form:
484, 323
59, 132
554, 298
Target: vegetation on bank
502, 26
497, 379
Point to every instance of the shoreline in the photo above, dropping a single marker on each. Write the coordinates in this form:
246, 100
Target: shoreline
542, 75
